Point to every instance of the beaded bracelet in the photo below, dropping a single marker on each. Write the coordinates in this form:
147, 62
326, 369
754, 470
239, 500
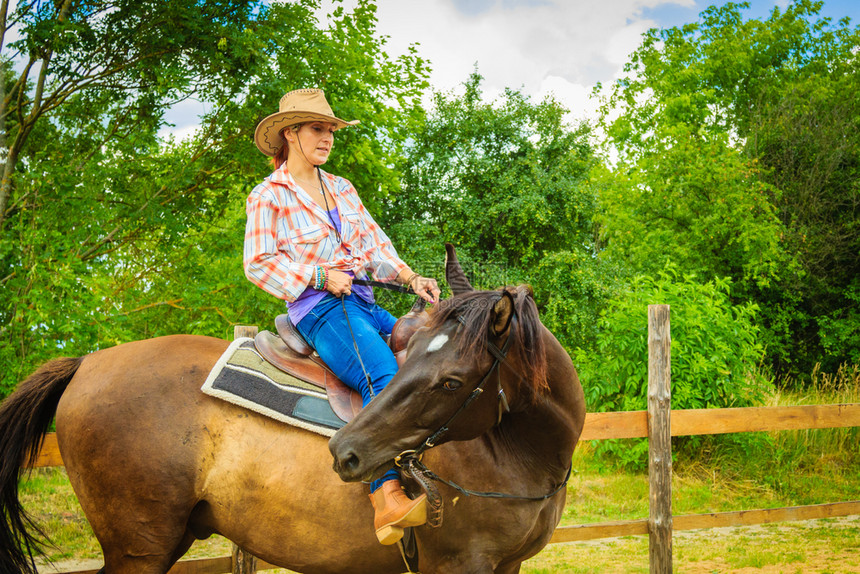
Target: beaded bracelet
325, 280
319, 277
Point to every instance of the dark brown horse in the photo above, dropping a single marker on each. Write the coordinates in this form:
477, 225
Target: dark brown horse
156, 464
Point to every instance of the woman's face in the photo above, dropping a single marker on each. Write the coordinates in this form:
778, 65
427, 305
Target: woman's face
314, 140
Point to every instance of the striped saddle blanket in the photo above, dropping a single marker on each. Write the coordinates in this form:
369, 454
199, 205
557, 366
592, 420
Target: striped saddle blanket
243, 377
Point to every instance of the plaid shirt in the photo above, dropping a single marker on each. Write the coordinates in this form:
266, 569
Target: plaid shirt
287, 234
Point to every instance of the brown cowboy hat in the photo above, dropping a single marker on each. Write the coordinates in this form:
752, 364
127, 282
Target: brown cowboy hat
296, 107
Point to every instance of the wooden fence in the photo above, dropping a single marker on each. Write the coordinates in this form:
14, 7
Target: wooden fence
657, 424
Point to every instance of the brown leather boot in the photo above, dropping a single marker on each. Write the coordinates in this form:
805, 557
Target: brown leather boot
396, 511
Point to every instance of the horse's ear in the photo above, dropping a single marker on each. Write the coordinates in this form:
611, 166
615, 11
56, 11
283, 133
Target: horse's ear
503, 313
454, 273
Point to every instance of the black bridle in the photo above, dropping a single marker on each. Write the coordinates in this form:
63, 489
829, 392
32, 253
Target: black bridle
499, 356
410, 460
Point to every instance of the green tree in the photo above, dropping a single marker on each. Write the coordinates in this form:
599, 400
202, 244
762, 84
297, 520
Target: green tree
110, 234
78, 123
807, 138
506, 179
737, 144
507, 182
691, 199
128, 60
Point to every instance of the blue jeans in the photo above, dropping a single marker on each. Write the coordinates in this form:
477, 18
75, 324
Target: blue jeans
325, 327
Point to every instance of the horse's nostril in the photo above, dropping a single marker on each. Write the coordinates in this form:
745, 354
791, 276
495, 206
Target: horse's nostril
346, 462
350, 462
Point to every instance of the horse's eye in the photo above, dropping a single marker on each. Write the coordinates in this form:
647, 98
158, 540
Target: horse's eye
452, 385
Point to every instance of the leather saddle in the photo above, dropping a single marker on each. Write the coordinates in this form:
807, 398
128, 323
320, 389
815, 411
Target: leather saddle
288, 351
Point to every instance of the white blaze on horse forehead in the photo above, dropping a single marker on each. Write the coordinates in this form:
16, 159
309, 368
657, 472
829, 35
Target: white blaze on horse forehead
437, 342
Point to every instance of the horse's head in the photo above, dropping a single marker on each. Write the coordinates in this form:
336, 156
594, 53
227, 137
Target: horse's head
481, 352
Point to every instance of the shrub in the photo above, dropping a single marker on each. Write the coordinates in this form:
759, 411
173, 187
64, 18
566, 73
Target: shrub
714, 351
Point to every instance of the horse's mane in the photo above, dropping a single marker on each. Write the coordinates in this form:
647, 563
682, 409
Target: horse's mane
474, 309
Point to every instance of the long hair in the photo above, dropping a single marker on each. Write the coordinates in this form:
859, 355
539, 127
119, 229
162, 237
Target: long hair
474, 310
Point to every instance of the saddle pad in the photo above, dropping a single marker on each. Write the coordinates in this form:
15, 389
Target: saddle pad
242, 377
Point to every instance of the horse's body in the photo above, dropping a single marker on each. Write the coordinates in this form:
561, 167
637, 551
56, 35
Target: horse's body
157, 464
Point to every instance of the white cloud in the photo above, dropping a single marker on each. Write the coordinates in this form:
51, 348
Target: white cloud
558, 46
179, 133
575, 97
625, 41
185, 119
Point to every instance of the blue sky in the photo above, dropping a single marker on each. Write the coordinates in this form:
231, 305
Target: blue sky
558, 47
673, 15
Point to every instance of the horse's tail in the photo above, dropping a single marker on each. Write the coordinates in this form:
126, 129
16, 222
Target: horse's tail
24, 419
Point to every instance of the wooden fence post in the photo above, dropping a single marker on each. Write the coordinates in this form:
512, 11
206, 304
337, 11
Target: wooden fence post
659, 441
243, 562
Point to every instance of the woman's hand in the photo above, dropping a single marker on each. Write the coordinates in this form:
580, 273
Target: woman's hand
426, 288
339, 283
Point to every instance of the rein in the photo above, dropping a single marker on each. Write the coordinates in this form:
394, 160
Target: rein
384, 285
414, 465
369, 283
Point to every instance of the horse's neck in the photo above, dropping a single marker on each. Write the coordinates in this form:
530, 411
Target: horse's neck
546, 431
544, 434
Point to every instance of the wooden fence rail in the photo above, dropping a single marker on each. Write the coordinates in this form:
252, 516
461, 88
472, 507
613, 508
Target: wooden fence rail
633, 424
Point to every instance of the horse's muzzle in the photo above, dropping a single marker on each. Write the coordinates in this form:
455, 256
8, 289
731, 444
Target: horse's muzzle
349, 465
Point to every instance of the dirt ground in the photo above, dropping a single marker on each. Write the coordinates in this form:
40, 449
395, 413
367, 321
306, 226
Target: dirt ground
815, 556
830, 546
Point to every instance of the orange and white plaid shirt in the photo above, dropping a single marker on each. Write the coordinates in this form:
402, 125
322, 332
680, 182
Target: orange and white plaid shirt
287, 234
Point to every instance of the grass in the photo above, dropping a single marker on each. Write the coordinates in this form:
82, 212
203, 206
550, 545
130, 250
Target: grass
828, 447
758, 470
49, 498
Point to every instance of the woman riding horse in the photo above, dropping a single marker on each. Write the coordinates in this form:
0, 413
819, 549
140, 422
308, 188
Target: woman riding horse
307, 236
